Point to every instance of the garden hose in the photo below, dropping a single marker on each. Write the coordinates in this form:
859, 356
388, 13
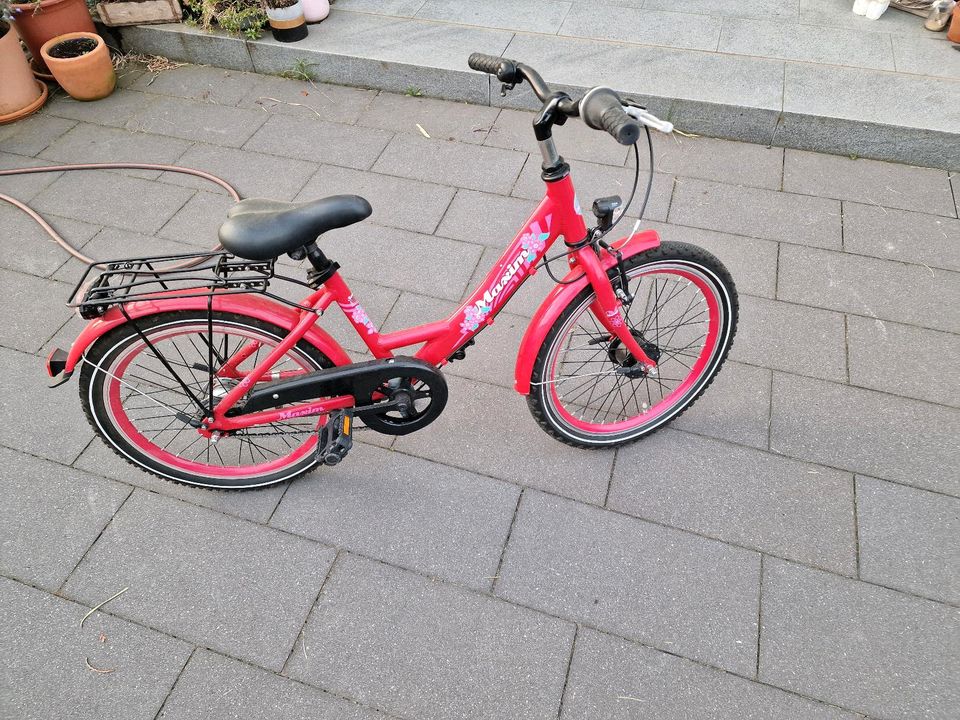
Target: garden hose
62, 242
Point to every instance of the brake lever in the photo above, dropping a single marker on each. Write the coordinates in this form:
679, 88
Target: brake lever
505, 88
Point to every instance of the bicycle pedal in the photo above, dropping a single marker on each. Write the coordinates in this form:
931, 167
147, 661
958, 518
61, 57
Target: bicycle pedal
336, 438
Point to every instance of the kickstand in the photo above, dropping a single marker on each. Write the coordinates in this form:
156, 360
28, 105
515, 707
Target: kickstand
336, 437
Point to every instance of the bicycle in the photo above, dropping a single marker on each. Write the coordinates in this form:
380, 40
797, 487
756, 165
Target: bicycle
198, 373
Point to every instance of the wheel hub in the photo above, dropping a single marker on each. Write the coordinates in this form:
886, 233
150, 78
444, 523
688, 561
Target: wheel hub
624, 359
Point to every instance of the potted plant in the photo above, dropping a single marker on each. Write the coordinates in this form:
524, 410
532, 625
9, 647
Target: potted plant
286, 20
81, 63
315, 11
42, 20
20, 93
118, 13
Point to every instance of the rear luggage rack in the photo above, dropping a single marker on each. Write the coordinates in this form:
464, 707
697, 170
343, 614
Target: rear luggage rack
139, 279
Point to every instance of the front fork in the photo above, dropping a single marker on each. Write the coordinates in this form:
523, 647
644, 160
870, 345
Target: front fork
606, 308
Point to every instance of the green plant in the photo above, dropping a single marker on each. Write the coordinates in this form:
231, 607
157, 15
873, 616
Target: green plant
413, 92
300, 70
245, 18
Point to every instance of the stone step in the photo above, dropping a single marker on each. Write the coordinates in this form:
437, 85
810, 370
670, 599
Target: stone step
857, 111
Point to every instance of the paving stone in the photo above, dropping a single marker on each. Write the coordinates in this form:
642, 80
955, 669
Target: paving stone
213, 687
252, 174
575, 141
202, 121
406, 511
43, 422
731, 8
400, 259
34, 313
726, 161
908, 539
735, 407
748, 497
197, 221
519, 15
904, 360
245, 591
199, 82
115, 110
751, 262
309, 100
256, 505
868, 181
594, 181
793, 338
32, 134
400, 8
858, 646
807, 43
478, 168
24, 187
478, 217
900, 235
925, 57
25, 247
669, 589
424, 649
190, 44
836, 13
45, 675
397, 202
489, 430
87, 143
102, 199
867, 432
867, 112
645, 27
53, 514
758, 213
617, 679
441, 119
880, 289
320, 142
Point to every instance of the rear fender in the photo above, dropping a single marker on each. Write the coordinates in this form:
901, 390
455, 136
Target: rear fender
254, 306
560, 297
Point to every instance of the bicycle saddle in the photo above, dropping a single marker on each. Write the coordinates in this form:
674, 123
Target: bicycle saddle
259, 229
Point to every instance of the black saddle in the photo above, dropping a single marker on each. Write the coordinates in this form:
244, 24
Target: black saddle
258, 229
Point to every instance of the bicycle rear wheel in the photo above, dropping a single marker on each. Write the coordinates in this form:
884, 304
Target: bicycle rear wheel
142, 411
587, 390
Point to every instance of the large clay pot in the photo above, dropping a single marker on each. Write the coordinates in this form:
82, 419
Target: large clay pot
80, 63
20, 93
37, 24
315, 10
953, 34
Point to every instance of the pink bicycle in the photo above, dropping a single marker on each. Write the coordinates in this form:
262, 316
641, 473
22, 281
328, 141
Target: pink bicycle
198, 373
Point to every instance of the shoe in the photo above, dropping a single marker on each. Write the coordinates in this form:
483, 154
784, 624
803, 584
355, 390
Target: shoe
939, 15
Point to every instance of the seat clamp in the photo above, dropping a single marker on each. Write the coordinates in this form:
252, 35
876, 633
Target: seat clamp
317, 277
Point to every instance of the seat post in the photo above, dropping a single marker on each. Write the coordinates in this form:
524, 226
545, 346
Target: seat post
323, 267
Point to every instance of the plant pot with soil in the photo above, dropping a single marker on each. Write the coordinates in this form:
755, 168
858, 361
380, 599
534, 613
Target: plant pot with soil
286, 20
81, 63
42, 20
20, 92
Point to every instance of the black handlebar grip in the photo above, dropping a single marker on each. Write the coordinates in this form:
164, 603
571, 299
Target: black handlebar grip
602, 109
504, 69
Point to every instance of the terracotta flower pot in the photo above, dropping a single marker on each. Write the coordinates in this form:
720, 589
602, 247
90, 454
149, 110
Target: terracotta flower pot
20, 93
37, 24
953, 34
81, 63
315, 10
287, 22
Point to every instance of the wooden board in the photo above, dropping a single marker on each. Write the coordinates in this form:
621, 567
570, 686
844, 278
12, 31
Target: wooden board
148, 12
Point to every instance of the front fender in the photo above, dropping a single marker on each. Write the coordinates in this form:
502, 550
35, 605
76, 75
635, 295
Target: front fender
559, 298
253, 305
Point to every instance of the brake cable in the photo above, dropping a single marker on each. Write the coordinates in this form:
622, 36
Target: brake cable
545, 262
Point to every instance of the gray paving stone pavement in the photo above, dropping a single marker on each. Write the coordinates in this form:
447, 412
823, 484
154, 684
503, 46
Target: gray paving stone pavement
47, 659
845, 365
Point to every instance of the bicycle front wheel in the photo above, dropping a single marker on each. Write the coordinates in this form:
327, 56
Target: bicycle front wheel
142, 410
587, 390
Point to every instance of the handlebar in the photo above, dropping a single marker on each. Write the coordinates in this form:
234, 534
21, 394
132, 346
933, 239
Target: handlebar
601, 108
